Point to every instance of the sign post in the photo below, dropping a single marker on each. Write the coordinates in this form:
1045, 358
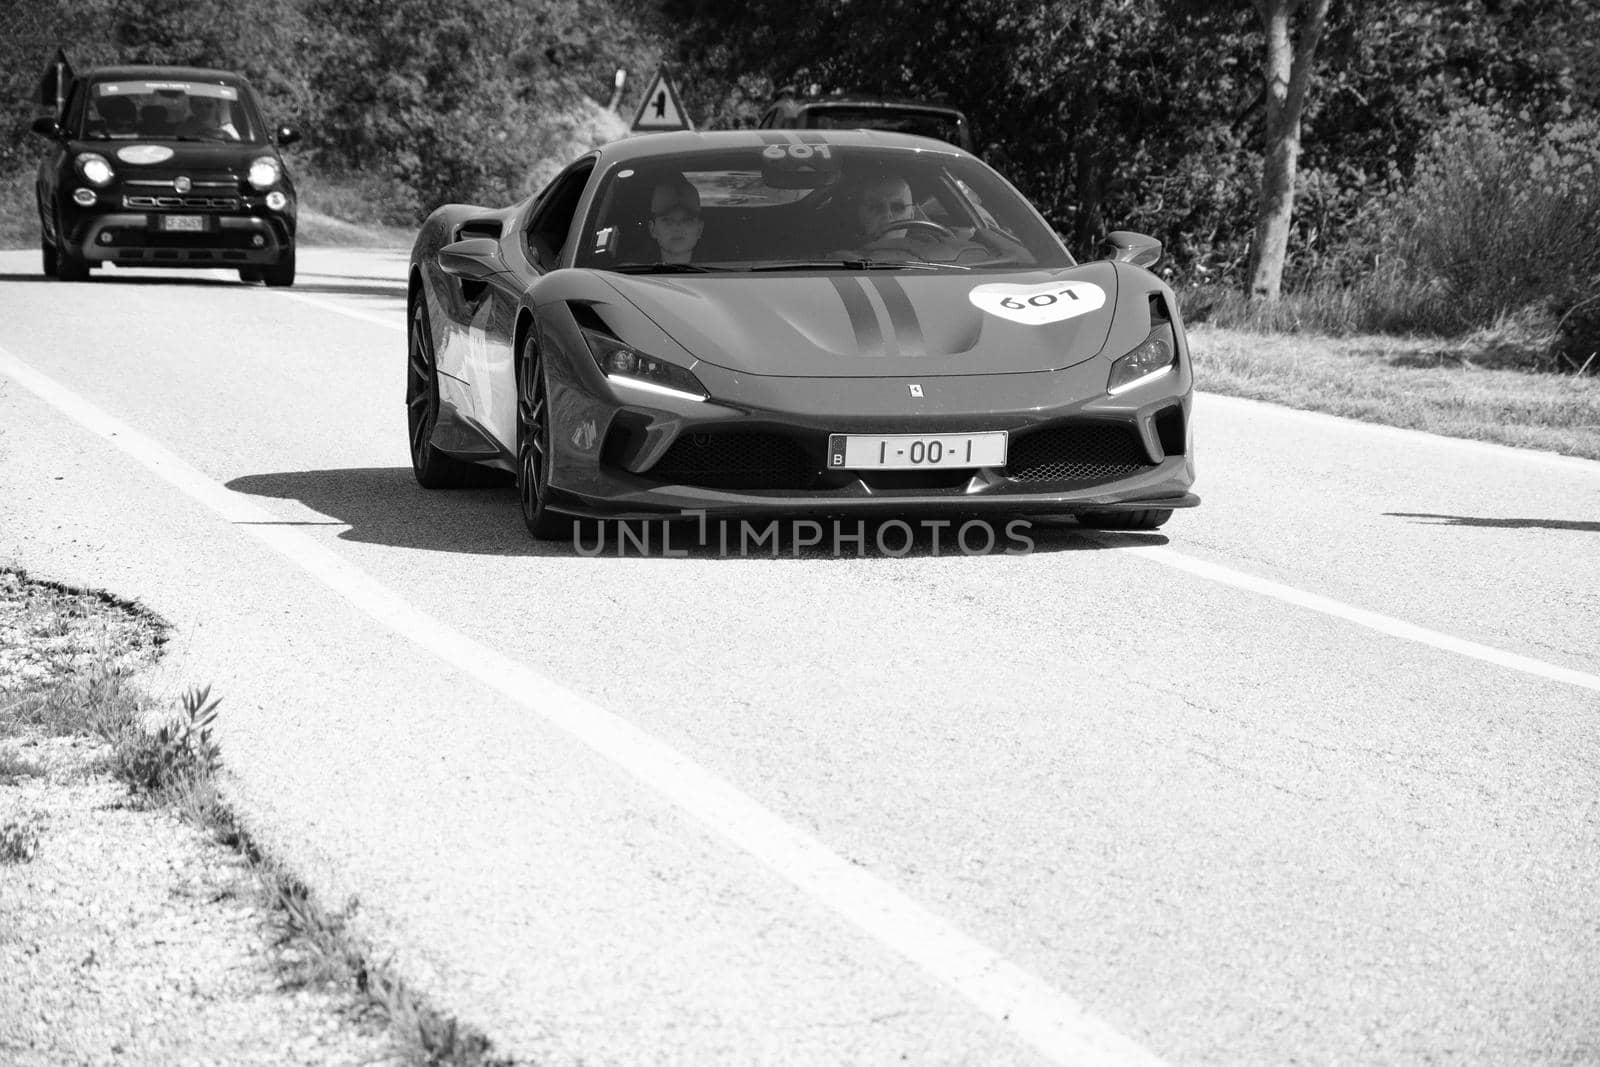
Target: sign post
660, 109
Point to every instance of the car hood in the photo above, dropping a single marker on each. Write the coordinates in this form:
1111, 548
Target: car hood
878, 323
134, 157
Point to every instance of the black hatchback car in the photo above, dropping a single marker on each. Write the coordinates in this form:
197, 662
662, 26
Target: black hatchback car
165, 167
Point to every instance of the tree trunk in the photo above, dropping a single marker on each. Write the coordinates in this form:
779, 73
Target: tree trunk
1288, 75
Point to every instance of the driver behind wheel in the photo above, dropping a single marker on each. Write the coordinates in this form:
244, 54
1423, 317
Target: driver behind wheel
893, 226
883, 203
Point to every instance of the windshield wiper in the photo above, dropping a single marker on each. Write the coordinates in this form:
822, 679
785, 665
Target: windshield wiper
666, 268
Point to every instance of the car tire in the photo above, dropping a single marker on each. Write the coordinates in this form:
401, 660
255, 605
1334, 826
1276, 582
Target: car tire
1149, 519
433, 468
281, 274
533, 450
249, 275
70, 265
47, 255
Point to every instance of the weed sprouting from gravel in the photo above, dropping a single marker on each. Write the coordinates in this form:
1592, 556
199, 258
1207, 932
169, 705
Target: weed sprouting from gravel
172, 758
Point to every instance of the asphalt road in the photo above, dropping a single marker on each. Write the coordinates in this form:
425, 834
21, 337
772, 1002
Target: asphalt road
1309, 776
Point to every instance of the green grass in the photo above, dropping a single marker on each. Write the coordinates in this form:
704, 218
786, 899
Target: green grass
1442, 387
14, 768
19, 841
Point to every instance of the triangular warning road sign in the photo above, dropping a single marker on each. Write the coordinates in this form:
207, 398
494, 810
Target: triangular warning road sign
659, 109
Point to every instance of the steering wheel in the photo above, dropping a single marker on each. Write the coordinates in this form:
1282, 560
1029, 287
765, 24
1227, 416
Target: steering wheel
916, 226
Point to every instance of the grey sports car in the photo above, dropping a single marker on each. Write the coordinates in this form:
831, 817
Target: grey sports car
763, 322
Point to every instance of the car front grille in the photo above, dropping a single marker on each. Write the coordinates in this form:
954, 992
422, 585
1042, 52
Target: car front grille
737, 461
1081, 453
192, 203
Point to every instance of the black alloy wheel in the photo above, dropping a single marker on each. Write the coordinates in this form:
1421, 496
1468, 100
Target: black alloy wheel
533, 449
433, 468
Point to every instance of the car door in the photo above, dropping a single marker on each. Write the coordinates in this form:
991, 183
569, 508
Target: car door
528, 252
55, 168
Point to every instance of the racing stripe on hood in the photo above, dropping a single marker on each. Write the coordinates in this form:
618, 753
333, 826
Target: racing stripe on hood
772, 137
904, 326
863, 317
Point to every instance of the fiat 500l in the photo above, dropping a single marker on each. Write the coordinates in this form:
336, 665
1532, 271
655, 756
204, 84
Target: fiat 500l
165, 167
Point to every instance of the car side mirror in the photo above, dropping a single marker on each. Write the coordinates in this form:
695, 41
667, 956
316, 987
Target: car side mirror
1125, 246
472, 260
46, 126
286, 135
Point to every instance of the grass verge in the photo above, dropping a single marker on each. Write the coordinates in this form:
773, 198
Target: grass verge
65, 659
1456, 389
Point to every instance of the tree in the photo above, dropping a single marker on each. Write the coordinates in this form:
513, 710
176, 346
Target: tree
1293, 28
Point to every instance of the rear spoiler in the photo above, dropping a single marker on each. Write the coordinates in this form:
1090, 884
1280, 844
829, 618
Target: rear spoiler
56, 81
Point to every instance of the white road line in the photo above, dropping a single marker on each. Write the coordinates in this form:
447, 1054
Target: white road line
395, 320
1385, 624
1049, 1020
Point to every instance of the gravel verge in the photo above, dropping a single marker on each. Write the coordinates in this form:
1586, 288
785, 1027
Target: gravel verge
128, 933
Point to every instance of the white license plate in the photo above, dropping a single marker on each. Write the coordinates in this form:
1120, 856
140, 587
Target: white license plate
916, 451
186, 223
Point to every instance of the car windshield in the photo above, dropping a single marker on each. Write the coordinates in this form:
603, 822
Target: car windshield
169, 111
800, 206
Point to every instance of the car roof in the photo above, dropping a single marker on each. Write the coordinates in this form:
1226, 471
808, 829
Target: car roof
649, 145
860, 100
141, 73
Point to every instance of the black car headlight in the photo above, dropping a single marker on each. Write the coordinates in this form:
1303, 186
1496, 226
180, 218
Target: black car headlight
626, 365
1157, 355
94, 169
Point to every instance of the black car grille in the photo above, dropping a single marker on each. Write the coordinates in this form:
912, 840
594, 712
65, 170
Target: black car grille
197, 203
1084, 453
737, 461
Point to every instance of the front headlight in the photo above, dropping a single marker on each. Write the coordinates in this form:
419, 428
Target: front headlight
95, 169
1157, 355
264, 172
625, 365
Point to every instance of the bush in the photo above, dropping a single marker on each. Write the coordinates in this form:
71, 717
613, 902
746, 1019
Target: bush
1498, 231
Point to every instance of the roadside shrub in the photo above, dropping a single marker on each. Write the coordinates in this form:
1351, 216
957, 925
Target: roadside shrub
1498, 232
19, 842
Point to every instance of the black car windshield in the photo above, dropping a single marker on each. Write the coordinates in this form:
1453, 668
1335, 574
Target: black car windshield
800, 206
169, 111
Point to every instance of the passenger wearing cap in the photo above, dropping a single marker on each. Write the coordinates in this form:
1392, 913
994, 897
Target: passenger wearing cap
675, 219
